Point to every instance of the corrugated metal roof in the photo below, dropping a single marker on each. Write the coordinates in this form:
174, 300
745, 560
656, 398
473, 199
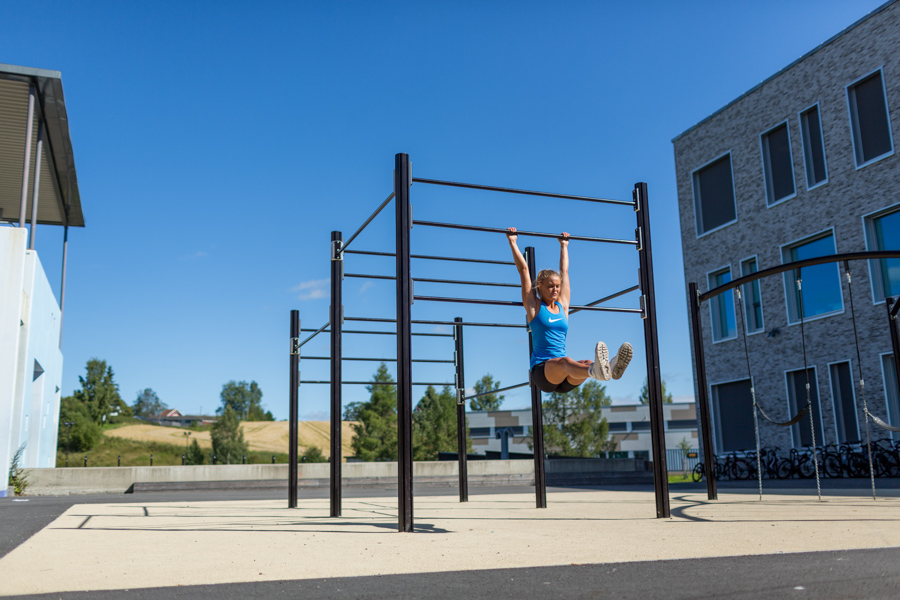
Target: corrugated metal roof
60, 201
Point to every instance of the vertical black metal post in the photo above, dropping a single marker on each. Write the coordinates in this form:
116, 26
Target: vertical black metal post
894, 323
651, 343
336, 318
294, 392
709, 456
461, 444
537, 413
402, 178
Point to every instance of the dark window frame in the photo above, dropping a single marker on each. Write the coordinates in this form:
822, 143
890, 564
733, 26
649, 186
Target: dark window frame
806, 144
857, 143
699, 227
769, 172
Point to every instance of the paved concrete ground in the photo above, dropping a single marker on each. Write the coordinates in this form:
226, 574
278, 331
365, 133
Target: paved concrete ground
496, 545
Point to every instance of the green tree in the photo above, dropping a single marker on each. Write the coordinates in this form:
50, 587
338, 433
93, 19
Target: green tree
376, 432
351, 411
195, 455
488, 401
645, 394
99, 393
227, 438
245, 399
84, 432
434, 424
573, 423
147, 404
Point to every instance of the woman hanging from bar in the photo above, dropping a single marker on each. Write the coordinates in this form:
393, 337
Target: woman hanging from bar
546, 303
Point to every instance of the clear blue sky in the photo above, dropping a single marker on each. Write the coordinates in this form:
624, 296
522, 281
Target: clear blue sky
219, 143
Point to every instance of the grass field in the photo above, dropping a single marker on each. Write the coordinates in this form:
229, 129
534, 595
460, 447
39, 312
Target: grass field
134, 443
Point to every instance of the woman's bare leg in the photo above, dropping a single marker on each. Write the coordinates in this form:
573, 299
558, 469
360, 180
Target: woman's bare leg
557, 370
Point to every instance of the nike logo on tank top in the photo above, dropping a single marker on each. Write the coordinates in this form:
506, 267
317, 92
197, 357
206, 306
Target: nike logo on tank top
548, 335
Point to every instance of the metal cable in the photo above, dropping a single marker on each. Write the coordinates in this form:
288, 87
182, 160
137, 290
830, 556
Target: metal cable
862, 383
812, 424
752, 390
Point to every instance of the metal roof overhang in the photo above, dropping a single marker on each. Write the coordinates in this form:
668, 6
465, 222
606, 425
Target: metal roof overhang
59, 201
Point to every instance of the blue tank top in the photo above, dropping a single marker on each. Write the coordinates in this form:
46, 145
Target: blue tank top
548, 335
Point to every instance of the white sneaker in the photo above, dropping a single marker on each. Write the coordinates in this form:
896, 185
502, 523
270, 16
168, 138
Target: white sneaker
600, 367
621, 360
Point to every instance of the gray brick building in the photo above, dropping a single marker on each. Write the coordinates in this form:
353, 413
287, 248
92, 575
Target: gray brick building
802, 165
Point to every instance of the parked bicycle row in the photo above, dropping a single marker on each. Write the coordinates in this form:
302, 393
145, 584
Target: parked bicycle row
834, 460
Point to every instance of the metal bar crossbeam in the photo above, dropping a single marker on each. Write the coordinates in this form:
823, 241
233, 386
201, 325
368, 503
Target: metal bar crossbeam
512, 303
470, 324
429, 257
821, 260
369, 220
582, 238
491, 188
365, 276
606, 299
462, 282
426, 383
370, 319
421, 360
392, 332
512, 387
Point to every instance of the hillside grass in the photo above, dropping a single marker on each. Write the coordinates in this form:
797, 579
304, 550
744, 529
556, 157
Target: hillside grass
135, 453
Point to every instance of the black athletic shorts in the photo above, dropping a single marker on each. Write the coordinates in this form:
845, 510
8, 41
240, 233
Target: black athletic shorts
537, 374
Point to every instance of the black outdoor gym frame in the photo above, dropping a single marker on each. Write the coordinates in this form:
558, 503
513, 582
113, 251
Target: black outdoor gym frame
405, 297
696, 299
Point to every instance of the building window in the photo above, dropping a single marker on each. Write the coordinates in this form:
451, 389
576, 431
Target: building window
733, 416
813, 147
778, 166
796, 387
845, 422
618, 427
891, 393
883, 233
714, 195
722, 307
869, 119
752, 298
820, 284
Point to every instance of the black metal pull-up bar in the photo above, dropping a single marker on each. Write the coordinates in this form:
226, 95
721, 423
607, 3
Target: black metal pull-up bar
491, 188
419, 333
428, 257
420, 360
512, 303
556, 236
430, 280
469, 324
324, 381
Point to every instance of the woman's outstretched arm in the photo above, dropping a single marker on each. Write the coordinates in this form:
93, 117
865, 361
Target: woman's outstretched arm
524, 274
564, 291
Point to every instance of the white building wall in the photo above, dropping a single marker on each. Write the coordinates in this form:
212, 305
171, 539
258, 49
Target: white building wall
29, 335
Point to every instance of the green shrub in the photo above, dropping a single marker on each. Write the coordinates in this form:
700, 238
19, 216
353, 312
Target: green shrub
17, 478
84, 432
314, 455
